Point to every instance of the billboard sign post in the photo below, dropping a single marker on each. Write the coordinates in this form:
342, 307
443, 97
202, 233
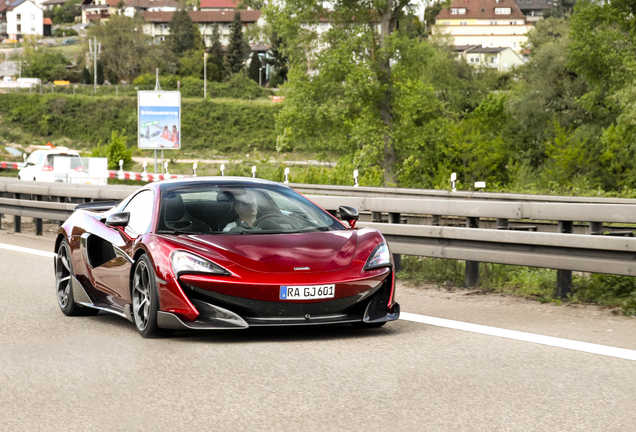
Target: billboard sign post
159, 120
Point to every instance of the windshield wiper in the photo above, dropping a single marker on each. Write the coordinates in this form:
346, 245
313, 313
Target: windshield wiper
178, 232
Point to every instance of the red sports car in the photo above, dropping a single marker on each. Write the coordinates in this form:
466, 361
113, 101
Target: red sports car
222, 253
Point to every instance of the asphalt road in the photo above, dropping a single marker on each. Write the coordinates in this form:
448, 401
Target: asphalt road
97, 373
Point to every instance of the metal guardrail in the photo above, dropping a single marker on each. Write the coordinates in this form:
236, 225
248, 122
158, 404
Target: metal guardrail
578, 252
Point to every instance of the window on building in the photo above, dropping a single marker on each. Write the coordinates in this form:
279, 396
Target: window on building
463, 23
493, 22
18, 17
473, 59
513, 22
513, 45
458, 11
19, 28
32, 17
504, 11
32, 29
446, 23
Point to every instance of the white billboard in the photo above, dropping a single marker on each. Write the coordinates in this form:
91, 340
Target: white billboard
159, 120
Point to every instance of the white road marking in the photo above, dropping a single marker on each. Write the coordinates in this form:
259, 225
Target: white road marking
591, 348
27, 250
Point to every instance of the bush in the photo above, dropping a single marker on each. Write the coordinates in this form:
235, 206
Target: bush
64, 32
221, 125
238, 87
115, 151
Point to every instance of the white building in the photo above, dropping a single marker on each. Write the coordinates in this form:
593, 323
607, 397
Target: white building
20, 18
101, 10
158, 26
501, 58
489, 23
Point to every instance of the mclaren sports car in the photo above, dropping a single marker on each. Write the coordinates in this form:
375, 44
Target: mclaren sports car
222, 253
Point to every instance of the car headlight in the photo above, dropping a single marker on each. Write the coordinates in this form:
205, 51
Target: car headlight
185, 262
380, 257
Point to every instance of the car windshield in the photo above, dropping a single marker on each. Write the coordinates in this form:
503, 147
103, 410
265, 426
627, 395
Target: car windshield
219, 209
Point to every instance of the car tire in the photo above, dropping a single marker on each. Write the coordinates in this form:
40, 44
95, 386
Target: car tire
145, 300
63, 283
363, 325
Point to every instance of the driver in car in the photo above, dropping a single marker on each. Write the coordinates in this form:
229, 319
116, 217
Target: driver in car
247, 209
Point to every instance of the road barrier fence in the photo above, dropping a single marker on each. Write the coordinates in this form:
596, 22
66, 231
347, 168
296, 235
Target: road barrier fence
586, 251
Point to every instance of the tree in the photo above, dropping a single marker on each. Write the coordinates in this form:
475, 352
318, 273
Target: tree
100, 73
65, 13
86, 76
216, 66
277, 60
236, 54
351, 65
115, 150
40, 62
184, 34
255, 67
124, 45
191, 64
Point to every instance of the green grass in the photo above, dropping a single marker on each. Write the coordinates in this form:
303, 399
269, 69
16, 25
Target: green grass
528, 282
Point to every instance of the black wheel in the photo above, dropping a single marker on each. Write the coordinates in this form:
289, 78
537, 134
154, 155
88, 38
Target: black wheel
145, 300
362, 324
63, 285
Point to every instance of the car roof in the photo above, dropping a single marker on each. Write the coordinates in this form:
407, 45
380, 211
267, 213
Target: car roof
58, 151
216, 180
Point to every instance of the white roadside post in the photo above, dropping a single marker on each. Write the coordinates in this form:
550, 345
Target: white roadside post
286, 175
222, 169
453, 182
194, 168
120, 174
254, 171
165, 166
355, 178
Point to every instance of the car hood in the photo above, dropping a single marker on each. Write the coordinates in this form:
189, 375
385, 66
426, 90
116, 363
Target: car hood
282, 253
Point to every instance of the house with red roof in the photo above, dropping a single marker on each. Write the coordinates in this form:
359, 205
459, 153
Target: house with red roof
218, 5
158, 26
486, 23
103, 9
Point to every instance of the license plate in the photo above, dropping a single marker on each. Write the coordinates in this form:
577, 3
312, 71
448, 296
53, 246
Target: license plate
307, 292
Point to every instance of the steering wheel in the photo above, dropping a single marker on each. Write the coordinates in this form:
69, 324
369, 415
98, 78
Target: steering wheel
264, 217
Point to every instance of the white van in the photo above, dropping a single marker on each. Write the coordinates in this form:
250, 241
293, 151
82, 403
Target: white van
55, 165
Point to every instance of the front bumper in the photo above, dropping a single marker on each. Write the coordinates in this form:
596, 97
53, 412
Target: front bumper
223, 312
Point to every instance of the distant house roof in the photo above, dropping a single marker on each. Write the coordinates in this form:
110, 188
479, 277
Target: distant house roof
219, 4
486, 50
47, 21
8, 5
534, 4
53, 2
481, 9
247, 16
140, 4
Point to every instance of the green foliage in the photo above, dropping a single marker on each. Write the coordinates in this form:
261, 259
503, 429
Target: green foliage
125, 48
100, 73
64, 14
254, 70
220, 125
86, 76
63, 32
191, 64
184, 34
277, 60
43, 63
115, 151
236, 52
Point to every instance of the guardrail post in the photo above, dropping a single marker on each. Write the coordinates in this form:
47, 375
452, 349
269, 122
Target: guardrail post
502, 224
564, 277
38, 222
17, 220
394, 218
435, 220
1, 220
596, 228
472, 267
376, 216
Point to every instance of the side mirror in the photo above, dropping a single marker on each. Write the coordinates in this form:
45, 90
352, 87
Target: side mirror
349, 214
118, 219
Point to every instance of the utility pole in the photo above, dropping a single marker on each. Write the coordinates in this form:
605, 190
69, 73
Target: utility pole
95, 51
205, 75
